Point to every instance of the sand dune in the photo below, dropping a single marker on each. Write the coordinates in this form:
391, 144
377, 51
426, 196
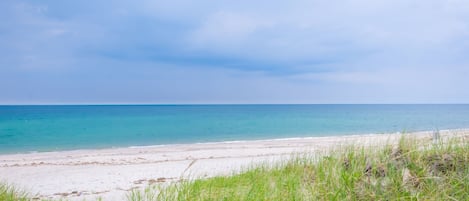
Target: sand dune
111, 173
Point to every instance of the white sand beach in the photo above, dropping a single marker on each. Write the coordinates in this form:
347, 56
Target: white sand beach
112, 173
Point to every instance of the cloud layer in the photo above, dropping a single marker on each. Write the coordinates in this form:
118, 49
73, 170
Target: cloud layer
357, 51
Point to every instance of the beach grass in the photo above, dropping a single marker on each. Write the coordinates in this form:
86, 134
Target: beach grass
10, 193
410, 170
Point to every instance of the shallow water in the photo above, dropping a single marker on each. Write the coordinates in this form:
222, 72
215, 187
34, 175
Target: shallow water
48, 128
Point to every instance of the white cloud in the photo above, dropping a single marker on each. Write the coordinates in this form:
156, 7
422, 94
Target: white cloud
225, 29
333, 29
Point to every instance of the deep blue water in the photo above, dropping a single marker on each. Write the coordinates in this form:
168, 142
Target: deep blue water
48, 128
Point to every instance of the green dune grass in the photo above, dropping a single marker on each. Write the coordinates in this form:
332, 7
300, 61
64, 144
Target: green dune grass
411, 170
10, 193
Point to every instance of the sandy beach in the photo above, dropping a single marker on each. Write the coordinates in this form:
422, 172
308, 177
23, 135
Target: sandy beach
112, 173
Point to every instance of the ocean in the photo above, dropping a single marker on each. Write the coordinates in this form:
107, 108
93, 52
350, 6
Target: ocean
68, 127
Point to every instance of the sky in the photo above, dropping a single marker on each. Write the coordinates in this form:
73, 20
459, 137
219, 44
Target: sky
234, 52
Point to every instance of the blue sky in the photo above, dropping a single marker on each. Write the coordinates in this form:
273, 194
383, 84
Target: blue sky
352, 51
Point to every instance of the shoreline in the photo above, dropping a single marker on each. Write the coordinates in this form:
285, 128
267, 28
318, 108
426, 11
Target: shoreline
111, 173
225, 142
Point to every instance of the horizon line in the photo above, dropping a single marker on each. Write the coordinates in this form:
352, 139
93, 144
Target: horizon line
182, 104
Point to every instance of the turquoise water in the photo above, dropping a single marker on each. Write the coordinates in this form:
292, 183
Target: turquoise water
48, 128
